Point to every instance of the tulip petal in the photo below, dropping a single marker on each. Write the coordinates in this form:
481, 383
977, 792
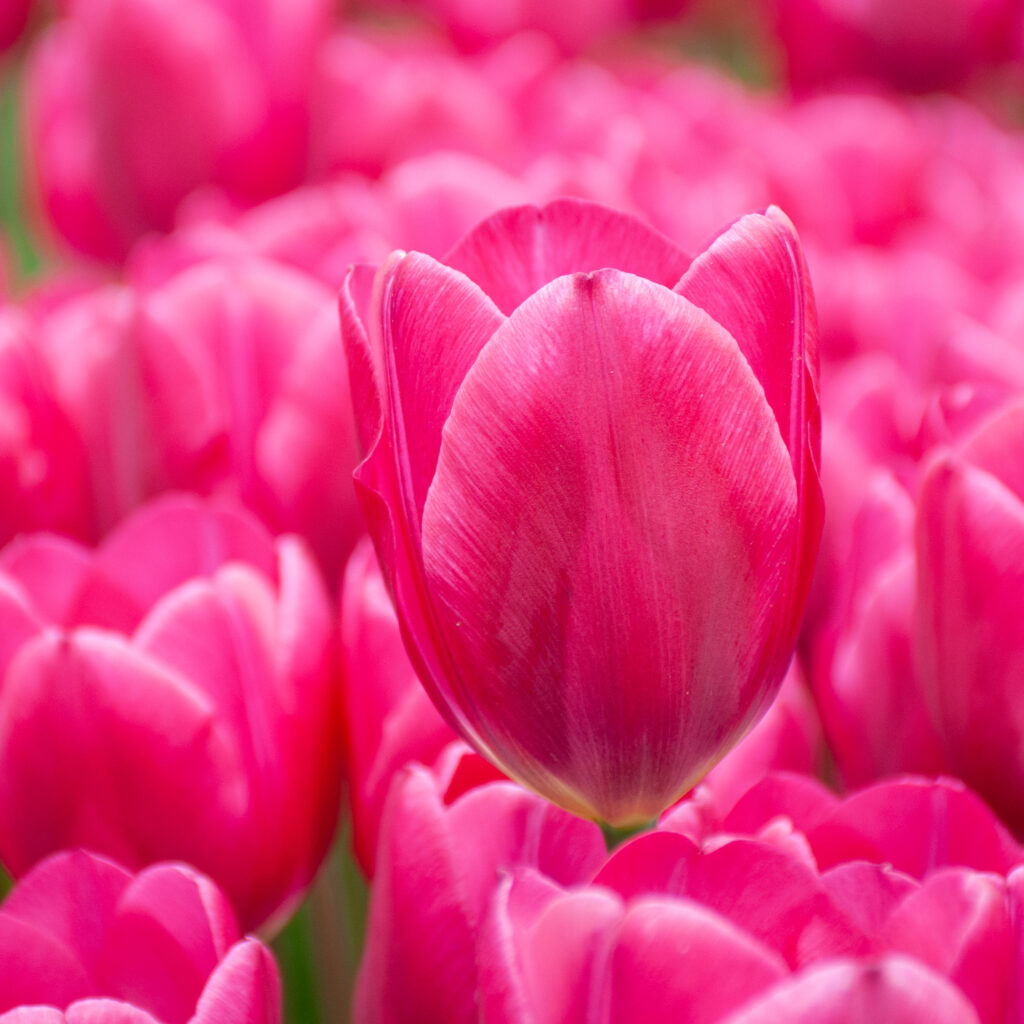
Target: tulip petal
245, 988
611, 501
51, 896
675, 960
171, 929
435, 322
138, 745
51, 568
173, 539
895, 990
109, 1011
943, 824
419, 962
753, 281
958, 923
517, 251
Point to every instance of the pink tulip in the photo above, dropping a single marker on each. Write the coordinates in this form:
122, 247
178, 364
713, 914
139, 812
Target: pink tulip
224, 379
562, 554
383, 100
171, 697
84, 941
437, 868
468, 923
121, 128
906, 44
970, 545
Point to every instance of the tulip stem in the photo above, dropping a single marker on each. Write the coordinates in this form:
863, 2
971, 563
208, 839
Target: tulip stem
616, 835
6, 885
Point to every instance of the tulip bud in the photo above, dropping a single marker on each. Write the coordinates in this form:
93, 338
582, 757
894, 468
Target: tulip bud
594, 491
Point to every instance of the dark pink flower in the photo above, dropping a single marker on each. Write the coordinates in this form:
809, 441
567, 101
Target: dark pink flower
594, 491
171, 696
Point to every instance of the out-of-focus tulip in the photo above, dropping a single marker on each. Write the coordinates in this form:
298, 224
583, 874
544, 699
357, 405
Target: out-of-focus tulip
476, 23
970, 554
43, 483
86, 942
909, 45
121, 128
172, 697
437, 868
227, 378
594, 491
382, 100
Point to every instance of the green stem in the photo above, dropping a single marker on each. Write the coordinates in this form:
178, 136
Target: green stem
616, 835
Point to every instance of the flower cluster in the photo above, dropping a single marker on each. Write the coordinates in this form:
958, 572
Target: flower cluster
434, 469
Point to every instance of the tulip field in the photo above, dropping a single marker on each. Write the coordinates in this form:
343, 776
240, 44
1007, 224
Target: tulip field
511, 512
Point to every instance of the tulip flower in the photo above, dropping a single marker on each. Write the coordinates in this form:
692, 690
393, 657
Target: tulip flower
84, 941
121, 128
222, 379
592, 485
436, 871
970, 588
905, 44
171, 696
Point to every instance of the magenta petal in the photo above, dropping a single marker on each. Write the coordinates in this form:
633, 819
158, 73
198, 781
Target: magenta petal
108, 1011
867, 893
517, 251
675, 960
611, 499
138, 746
505, 827
555, 965
39, 968
365, 368
52, 896
33, 1015
171, 929
171, 540
958, 923
753, 281
51, 569
895, 990
435, 322
943, 825
419, 959
245, 988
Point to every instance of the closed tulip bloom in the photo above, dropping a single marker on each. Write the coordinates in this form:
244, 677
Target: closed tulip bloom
84, 941
970, 553
592, 485
172, 696
121, 128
